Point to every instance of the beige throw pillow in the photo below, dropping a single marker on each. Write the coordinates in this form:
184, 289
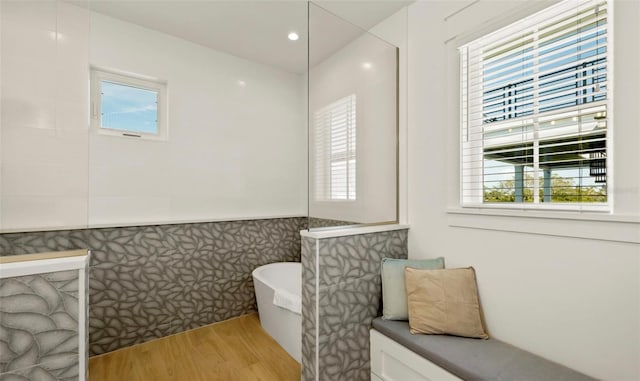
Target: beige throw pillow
444, 302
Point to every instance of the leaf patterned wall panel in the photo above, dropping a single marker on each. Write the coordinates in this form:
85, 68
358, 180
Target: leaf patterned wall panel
343, 274
308, 309
349, 292
39, 327
148, 282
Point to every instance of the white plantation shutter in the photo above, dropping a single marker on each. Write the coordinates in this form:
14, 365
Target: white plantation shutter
534, 99
335, 150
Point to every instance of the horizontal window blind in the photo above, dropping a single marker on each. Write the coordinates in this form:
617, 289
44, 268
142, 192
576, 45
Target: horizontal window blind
534, 99
334, 129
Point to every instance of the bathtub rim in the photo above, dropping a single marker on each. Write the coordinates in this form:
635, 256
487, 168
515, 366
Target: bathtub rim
257, 273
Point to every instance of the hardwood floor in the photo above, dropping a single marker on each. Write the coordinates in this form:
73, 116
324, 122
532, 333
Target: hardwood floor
236, 349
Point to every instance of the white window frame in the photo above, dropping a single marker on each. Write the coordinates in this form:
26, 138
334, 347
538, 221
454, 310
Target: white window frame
133, 80
324, 157
465, 131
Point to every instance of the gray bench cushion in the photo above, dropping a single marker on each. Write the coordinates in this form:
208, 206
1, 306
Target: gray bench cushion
475, 359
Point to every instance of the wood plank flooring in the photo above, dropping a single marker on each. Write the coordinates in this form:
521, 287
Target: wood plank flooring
236, 349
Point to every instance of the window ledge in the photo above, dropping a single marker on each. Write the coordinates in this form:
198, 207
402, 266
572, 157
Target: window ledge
597, 226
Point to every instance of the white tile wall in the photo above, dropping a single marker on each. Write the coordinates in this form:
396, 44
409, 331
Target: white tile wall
134, 179
45, 180
233, 152
34, 146
44, 145
43, 212
113, 210
28, 25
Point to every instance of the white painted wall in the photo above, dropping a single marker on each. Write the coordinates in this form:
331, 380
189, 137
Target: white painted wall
343, 74
43, 150
570, 299
394, 30
233, 151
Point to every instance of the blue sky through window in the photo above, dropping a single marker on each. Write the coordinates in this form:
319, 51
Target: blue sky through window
129, 108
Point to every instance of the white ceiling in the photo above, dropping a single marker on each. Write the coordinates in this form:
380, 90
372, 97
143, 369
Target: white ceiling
256, 30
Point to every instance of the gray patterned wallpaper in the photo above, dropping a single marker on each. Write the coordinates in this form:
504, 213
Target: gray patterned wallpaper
39, 327
349, 291
152, 281
315, 222
308, 297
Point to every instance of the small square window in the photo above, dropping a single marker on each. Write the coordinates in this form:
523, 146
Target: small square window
129, 106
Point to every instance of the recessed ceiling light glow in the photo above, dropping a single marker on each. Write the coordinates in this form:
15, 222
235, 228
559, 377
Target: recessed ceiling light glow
242, 83
367, 65
293, 36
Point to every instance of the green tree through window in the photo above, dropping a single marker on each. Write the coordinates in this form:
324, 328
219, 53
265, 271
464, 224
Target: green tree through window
562, 190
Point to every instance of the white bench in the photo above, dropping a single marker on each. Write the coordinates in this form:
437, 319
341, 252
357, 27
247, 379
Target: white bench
396, 355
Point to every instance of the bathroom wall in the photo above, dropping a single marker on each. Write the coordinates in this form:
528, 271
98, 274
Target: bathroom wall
569, 290
341, 295
152, 281
44, 115
231, 156
236, 150
232, 145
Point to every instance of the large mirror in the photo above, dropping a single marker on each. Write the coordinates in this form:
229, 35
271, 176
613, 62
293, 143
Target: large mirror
353, 124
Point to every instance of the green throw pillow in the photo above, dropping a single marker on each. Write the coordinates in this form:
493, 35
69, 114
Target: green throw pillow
394, 294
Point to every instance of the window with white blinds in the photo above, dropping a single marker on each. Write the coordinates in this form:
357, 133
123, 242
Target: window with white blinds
335, 150
534, 102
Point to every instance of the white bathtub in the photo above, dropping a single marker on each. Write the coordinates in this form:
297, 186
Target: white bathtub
283, 325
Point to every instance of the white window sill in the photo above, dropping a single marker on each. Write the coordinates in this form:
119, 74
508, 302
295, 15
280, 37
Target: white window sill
597, 226
133, 135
